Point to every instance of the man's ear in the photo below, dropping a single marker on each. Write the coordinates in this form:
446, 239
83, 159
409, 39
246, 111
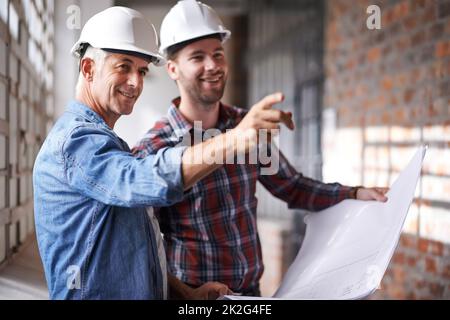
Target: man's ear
172, 69
87, 68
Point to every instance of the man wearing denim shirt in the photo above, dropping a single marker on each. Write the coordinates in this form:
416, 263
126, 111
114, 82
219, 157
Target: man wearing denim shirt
91, 194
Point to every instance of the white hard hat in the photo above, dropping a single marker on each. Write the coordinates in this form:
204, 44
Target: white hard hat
120, 29
187, 20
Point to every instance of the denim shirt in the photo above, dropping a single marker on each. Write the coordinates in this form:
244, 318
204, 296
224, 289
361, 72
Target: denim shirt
94, 236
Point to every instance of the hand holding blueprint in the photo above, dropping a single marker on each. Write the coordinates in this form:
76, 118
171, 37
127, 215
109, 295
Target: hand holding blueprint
347, 247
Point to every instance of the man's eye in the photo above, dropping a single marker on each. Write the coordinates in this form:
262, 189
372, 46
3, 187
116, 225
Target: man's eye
196, 58
143, 73
124, 67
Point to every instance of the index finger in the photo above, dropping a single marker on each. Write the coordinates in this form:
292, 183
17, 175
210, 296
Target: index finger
268, 101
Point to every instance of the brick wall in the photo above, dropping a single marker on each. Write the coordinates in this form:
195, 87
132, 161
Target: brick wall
386, 92
277, 250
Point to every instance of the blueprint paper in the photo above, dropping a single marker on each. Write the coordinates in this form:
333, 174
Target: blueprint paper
347, 247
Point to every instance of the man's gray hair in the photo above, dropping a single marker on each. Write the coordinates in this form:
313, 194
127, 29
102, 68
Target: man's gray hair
96, 54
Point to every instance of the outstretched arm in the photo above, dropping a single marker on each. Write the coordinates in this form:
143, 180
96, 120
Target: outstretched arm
200, 160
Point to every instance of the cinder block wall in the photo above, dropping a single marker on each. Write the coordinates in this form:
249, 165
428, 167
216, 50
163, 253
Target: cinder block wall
386, 92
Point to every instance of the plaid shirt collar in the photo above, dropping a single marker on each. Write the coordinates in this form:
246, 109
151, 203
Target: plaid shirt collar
182, 126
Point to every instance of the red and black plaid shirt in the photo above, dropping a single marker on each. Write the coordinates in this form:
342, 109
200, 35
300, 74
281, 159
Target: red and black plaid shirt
211, 235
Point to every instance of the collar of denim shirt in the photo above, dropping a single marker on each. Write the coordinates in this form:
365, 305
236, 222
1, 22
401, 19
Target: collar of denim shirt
84, 111
87, 113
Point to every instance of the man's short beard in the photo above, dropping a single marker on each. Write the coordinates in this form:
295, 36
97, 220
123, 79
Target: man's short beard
209, 100
206, 101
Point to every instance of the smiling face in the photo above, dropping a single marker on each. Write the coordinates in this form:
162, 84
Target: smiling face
201, 70
117, 84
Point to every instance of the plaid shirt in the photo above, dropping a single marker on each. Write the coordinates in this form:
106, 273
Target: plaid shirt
211, 235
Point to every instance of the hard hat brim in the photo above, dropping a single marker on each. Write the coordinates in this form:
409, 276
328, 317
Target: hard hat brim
225, 34
155, 58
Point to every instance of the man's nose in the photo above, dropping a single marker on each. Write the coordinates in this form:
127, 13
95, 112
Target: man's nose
210, 64
134, 79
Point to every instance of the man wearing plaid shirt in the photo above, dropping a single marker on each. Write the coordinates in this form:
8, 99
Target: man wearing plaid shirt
212, 234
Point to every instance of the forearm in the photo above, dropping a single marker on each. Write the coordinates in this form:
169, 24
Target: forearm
178, 289
209, 290
301, 192
315, 195
200, 160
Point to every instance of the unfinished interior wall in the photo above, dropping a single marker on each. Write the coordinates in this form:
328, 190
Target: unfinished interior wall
386, 92
26, 108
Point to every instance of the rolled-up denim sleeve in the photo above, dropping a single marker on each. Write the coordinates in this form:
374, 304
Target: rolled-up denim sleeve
96, 166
